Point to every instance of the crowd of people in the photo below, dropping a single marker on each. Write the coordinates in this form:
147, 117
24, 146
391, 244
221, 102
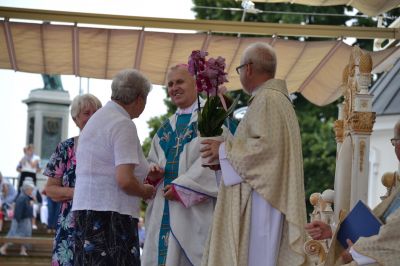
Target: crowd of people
16, 207
247, 210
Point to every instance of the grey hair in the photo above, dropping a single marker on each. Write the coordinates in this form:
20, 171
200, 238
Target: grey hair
397, 130
262, 56
80, 102
128, 85
27, 184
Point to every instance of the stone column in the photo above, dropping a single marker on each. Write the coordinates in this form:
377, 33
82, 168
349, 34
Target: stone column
48, 116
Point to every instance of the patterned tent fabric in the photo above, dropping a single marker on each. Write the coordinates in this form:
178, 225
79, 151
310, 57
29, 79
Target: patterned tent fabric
368, 7
311, 68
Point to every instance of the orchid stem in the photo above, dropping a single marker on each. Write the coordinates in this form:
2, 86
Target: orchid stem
198, 96
198, 103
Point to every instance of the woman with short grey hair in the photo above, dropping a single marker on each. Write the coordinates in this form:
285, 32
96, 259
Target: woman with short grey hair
129, 84
109, 177
83, 102
21, 224
61, 182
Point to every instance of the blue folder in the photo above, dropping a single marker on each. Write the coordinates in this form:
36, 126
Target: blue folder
359, 222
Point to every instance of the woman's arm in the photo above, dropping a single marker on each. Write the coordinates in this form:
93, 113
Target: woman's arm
130, 184
35, 165
56, 191
4, 190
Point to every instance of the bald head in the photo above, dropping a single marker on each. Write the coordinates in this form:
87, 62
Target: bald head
257, 65
184, 68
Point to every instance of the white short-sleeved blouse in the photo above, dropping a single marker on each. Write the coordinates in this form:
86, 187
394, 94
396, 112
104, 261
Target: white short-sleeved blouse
108, 140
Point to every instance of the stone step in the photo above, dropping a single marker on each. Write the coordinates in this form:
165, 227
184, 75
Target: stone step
38, 247
31, 253
42, 229
16, 260
33, 249
39, 252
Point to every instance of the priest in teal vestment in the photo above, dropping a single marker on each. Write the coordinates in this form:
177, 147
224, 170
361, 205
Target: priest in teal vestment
179, 217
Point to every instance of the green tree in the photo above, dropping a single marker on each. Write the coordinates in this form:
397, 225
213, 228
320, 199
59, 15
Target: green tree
319, 146
223, 13
155, 122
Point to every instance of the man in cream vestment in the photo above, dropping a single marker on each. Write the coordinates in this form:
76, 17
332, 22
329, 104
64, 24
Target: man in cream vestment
380, 249
178, 219
260, 210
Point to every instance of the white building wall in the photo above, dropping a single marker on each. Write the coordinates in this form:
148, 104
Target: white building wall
382, 156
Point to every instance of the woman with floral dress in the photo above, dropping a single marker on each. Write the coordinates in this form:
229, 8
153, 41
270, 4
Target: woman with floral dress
61, 182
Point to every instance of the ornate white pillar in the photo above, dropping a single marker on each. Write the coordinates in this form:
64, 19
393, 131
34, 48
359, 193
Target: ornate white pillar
361, 123
353, 130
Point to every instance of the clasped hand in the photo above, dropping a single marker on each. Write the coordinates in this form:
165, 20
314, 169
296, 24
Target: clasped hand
155, 173
319, 230
170, 193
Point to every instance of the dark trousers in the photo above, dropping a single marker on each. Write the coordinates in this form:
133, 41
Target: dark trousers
54, 211
106, 238
23, 176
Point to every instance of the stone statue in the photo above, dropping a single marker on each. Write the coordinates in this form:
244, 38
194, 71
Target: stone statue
52, 82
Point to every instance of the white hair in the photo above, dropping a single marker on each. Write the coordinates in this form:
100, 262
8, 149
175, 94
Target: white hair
80, 102
262, 56
397, 130
27, 184
128, 85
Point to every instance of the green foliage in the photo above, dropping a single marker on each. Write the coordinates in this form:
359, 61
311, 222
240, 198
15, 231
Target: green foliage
155, 122
292, 18
213, 115
219, 14
319, 146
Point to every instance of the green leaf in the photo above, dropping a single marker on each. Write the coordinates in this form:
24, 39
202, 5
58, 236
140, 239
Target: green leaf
213, 115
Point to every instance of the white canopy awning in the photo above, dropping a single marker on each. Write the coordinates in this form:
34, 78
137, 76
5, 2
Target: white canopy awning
311, 68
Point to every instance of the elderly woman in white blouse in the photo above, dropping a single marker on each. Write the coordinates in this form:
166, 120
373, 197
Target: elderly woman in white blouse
109, 177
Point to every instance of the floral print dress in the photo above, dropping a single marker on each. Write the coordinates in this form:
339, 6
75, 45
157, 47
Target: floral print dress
62, 164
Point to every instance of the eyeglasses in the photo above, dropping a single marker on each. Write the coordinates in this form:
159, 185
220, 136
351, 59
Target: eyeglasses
395, 142
239, 67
